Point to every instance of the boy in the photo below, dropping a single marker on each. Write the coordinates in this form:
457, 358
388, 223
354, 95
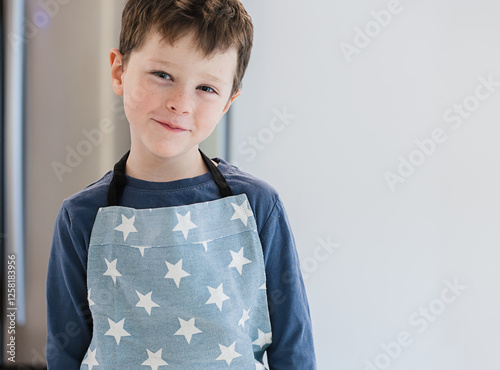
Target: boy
173, 259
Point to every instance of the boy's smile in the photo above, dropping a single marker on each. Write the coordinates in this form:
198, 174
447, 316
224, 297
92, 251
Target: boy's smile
174, 96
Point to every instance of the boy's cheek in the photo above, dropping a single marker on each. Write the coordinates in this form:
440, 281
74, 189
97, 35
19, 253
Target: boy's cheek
139, 94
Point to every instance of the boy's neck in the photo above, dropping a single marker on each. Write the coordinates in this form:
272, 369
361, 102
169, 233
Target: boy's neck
149, 167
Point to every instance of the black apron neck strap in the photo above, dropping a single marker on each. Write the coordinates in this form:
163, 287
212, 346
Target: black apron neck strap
219, 179
119, 179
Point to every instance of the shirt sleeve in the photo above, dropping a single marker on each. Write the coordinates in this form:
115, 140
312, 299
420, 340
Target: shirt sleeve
292, 342
69, 322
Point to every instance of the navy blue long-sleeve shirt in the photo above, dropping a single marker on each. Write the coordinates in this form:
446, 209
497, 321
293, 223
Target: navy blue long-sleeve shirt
69, 322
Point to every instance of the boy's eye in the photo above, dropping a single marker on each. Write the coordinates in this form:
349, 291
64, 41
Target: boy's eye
207, 89
163, 75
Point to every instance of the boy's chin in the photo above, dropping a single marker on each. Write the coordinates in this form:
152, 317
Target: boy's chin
170, 152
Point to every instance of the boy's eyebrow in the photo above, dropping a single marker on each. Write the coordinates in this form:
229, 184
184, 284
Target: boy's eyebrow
161, 62
215, 79
207, 76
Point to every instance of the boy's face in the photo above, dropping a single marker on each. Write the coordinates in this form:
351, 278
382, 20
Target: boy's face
173, 95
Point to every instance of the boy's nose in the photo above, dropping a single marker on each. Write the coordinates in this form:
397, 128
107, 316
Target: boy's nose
178, 102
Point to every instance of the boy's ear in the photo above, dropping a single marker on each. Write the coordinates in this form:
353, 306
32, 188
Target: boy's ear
116, 60
230, 101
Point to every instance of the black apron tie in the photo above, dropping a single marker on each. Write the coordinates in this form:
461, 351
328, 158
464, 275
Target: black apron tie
119, 180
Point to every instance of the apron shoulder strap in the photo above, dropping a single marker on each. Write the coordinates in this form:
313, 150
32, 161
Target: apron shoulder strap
119, 179
219, 179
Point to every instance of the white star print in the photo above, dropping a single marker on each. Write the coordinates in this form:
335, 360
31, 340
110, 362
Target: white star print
112, 271
263, 286
187, 329
238, 260
228, 354
217, 296
205, 244
264, 338
90, 360
184, 224
140, 249
154, 360
91, 302
127, 226
244, 318
146, 302
242, 212
116, 330
176, 272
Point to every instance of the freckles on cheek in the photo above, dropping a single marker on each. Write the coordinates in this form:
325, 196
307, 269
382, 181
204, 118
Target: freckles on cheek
140, 96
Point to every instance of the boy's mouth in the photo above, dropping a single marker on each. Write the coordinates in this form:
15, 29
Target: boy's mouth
170, 126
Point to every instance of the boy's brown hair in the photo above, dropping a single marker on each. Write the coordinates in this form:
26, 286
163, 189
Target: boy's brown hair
217, 26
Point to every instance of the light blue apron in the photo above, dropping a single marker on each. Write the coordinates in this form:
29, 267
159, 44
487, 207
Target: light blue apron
177, 287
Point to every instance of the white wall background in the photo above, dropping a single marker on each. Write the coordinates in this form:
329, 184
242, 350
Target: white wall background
391, 252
